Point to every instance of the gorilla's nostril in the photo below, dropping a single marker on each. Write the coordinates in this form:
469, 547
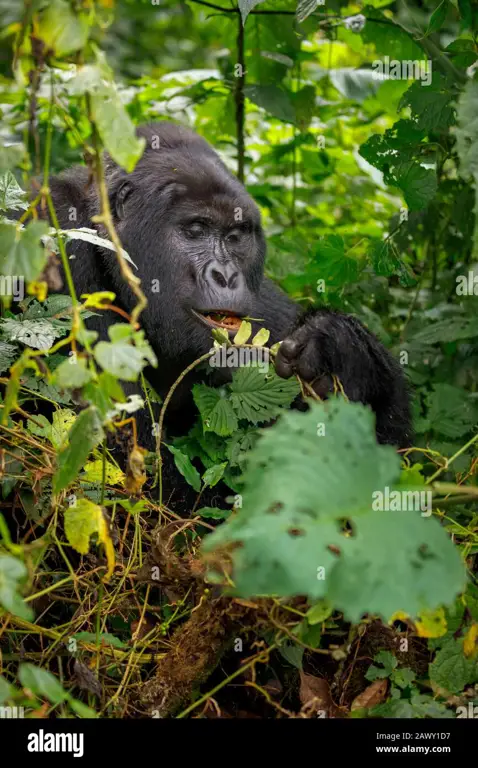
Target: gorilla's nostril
219, 278
232, 284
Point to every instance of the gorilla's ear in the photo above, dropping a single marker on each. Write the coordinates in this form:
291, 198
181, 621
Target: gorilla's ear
120, 199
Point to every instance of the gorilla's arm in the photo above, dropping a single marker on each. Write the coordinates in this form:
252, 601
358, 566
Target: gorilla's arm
320, 343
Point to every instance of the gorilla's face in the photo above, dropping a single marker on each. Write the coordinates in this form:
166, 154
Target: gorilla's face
196, 237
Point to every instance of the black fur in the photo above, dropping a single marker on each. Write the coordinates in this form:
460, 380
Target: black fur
180, 178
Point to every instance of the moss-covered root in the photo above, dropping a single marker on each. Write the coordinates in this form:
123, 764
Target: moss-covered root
197, 646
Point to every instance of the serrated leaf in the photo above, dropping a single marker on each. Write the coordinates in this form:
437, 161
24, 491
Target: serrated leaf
85, 434
12, 196
8, 353
120, 358
451, 670
258, 397
289, 531
216, 411
244, 333
38, 334
10, 157
72, 374
83, 520
21, 252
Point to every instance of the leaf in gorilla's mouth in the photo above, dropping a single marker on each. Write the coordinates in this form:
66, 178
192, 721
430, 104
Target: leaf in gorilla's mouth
220, 319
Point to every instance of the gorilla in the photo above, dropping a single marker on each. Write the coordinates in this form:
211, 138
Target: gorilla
194, 233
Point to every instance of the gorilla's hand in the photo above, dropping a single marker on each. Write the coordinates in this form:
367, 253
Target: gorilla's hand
325, 343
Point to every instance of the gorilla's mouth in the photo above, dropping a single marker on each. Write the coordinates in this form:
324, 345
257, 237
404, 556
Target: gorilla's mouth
219, 318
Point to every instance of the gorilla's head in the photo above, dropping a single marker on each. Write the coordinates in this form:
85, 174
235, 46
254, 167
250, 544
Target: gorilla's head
193, 232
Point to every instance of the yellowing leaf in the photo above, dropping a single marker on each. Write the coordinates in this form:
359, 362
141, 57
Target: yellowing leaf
244, 333
38, 289
431, 623
470, 643
83, 520
99, 299
94, 472
398, 616
261, 338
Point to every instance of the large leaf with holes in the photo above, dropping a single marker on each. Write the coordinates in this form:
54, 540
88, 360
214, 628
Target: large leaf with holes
305, 475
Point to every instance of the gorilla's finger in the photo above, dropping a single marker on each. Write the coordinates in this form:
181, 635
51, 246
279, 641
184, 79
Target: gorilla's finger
283, 368
289, 348
308, 364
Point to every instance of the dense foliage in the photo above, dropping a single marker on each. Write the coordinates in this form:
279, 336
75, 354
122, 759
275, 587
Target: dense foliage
355, 128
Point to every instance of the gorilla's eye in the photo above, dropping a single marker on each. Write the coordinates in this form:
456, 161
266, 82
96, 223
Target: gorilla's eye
195, 229
235, 236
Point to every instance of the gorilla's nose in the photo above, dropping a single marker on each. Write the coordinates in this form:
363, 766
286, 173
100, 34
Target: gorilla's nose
222, 275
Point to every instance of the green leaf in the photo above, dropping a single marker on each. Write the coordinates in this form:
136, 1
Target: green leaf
6, 690
467, 143
42, 683
292, 541
319, 612
61, 28
451, 410
335, 267
8, 353
304, 9
216, 411
212, 475
246, 6
85, 434
120, 359
258, 397
115, 127
10, 157
451, 670
244, 333
273, 99
418, 184
81, 709
449, 329
105, 638
185, 467
261, 338
38, 334
438, 17
12, 196
12, 573
21, 252
72, 374
386, 261
431, 105
214, 513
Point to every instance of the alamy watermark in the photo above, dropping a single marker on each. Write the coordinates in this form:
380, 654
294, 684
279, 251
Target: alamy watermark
238, 357
402, 501
12, 285
394, 69
467, 285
